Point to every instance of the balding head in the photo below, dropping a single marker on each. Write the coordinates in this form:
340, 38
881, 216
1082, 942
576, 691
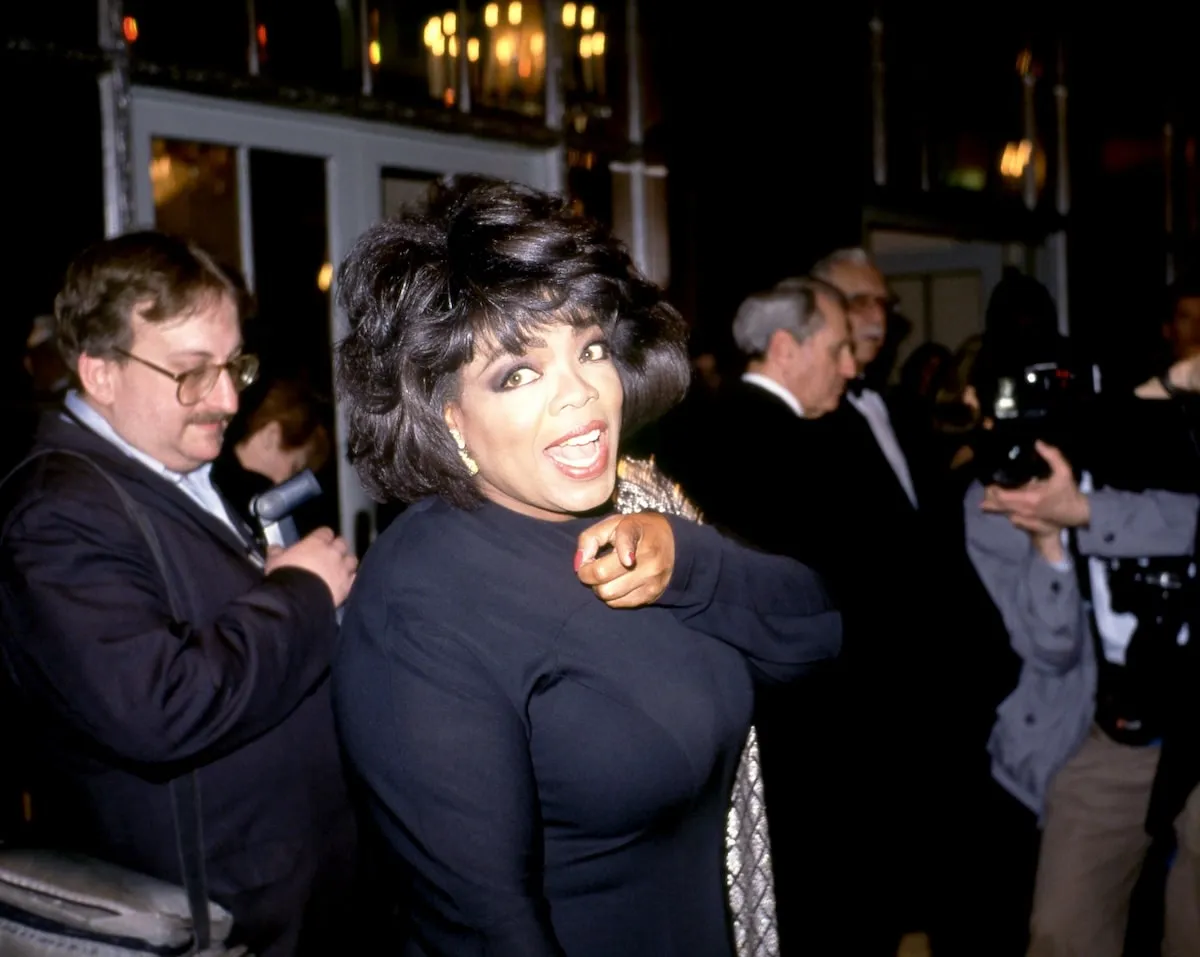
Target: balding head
867, 298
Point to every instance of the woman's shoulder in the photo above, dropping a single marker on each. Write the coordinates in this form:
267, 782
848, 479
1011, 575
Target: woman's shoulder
437, 550
426, 543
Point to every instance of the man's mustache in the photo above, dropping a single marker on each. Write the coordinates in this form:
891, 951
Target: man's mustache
210, 418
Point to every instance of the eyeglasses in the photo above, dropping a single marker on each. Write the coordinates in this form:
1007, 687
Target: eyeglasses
866, 300
192, 386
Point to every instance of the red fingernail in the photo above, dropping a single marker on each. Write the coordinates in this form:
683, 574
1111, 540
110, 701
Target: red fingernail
578, 559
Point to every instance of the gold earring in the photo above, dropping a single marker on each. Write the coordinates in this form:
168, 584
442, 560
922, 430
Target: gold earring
470, 463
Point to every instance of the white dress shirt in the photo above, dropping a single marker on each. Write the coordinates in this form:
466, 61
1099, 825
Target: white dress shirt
197, 484
874, 410
1116, 628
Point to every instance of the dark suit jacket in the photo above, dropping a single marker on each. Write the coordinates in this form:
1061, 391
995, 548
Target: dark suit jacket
814, 489
887, 560
744, 460
121, 697
819, 490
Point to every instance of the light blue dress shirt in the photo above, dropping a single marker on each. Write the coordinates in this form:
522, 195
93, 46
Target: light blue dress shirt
197, 484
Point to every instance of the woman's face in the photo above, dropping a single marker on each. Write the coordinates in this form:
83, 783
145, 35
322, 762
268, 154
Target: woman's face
543, 426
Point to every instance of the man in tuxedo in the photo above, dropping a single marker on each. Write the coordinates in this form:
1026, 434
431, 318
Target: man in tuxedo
868, 304
885, 570
786, 466
130, 683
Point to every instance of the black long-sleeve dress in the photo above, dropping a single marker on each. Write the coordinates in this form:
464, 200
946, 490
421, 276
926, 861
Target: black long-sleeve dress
555, 773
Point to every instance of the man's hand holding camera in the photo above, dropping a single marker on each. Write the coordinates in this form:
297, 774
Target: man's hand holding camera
1044, 507
326, 555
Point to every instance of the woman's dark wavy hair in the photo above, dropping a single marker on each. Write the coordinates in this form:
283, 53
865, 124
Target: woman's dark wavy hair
483, 263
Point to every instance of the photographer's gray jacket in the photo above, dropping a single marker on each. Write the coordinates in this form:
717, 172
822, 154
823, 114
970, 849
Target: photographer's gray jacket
1047, 716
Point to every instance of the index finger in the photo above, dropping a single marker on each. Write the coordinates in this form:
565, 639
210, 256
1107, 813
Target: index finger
592, 539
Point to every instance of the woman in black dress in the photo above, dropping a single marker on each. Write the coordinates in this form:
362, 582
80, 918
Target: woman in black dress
553, 769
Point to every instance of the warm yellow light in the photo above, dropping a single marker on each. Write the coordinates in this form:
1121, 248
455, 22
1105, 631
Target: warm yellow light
585, 45
169, 180
439, 45
537, 44
598, 43
129, 27
452, 46
514, 12
325, 277
1016, 159
449, 23
473, 49
525, 68
491, 14
432, 29
375, 53
587, 17
160, 169
504, 51
568, 14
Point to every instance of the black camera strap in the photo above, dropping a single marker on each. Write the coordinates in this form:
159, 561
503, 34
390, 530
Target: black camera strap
185, 789
1083, 575
1109, 676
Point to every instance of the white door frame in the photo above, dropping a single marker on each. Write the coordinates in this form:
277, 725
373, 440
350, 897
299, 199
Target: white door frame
356, 153
985, 258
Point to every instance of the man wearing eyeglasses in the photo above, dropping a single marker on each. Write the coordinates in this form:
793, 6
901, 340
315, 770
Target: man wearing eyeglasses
126, 681
867, 845
868, 304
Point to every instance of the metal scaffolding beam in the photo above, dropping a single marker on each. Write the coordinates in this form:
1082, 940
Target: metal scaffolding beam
116, 124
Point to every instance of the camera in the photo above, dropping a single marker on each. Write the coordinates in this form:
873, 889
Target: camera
1028, 403
1161, 594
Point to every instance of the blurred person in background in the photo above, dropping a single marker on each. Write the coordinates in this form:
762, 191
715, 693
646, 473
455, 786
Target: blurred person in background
280, 432
1181, 330
48, 374
40, 384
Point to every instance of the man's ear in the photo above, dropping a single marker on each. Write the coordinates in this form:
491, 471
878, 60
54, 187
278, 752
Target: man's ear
780, 344
97, 377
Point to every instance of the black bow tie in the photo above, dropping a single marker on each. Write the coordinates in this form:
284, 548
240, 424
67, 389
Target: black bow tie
855, 387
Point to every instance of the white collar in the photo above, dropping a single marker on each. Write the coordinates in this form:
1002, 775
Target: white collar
770, 385
85, 413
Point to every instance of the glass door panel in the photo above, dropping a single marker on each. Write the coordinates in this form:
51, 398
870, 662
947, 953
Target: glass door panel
196, 195
263, 213
293, 286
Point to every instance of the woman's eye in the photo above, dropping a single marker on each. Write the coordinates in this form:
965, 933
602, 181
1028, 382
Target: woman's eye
596, 352
518, 378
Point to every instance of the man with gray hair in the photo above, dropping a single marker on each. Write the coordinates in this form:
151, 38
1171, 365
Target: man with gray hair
750, 464
868, 304
796, 341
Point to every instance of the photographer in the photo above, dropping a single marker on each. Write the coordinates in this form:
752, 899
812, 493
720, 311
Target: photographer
1095, 585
